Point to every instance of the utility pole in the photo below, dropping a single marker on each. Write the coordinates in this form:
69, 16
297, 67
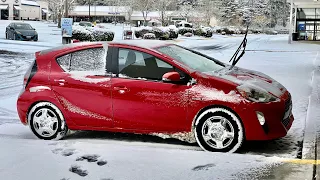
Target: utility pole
89, 10
66, 9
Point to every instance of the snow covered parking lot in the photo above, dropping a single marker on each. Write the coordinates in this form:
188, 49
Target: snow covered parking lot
147, 157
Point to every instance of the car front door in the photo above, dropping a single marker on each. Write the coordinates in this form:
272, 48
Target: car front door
141, 100
83, 87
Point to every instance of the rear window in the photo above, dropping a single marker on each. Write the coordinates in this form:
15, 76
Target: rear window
85, 60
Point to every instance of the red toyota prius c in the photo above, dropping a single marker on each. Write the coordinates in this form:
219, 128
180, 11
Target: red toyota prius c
151, 87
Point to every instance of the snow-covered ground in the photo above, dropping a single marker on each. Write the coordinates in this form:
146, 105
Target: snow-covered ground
145, 157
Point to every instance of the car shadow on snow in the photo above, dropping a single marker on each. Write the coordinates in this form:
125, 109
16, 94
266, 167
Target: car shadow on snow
283, 147
126, 137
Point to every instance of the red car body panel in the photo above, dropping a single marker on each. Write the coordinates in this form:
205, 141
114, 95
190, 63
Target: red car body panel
141, 106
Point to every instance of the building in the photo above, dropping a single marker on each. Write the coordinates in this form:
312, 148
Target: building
305, 20
101, 13
23, 9
124, 13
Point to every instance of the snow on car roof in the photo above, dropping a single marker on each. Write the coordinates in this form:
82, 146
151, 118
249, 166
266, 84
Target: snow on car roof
148, 44
73, 45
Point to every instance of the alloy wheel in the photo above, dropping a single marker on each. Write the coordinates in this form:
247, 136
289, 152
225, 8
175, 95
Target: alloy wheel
45, 122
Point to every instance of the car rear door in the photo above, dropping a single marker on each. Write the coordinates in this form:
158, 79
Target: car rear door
141, 100
81, 83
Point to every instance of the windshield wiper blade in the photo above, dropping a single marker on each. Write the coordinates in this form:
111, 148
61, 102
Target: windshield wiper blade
235, 58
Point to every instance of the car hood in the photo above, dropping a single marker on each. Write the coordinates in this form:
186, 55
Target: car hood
250, 78
27, 32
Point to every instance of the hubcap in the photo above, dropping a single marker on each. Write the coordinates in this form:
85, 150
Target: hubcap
45, 122
218, 132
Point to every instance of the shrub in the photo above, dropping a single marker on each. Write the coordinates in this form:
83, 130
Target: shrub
173, 34
139, 32
91, 34
182, 31
188, 34
162, 33
204, 31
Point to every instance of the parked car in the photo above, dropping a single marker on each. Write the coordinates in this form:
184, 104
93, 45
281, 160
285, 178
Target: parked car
151, 87
21, 31
86, 24
271, 32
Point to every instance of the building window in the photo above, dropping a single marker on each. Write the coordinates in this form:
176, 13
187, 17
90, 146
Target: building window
304, 13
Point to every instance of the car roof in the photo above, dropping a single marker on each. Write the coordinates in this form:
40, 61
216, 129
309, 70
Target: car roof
20, 23
146, 44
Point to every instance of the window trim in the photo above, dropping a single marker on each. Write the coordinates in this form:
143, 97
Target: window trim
115, 69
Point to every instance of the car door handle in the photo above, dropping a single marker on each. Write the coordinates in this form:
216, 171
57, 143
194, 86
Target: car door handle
121, 89
61, 82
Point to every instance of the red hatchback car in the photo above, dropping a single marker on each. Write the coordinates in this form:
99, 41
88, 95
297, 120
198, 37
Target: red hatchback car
151, 87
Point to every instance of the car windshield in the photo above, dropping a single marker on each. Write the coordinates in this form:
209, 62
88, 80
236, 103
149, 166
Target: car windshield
23, 26
191, 59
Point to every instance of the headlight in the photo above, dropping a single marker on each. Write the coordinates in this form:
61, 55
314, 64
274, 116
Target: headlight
255, 94
18, 32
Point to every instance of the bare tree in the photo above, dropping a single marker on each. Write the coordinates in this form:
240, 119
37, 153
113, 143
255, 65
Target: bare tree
208, 9
144, 6
128, 7
185, 10
58, 9
261, 21
162, 6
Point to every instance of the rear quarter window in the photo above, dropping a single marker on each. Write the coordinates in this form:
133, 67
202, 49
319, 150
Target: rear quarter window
85, 60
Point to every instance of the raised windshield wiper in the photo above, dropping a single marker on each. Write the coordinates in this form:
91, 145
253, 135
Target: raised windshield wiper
235, 58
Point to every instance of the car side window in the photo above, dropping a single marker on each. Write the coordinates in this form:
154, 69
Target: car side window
85, 60
139, 65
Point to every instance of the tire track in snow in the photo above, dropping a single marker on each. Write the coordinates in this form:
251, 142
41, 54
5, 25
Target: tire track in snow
12, 69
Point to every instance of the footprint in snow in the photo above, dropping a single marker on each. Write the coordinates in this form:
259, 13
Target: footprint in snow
68, 152
77, 170
65, 179
203, 167
106, 179
89, 158
102, 163
57, 150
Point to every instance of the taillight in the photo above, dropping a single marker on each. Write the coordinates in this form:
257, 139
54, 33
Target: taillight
30, 73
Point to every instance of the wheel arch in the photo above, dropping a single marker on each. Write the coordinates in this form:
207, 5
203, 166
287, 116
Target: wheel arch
61, 114
194, 121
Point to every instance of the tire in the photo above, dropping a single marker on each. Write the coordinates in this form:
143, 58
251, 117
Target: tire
219, 130
47, 121
6, 35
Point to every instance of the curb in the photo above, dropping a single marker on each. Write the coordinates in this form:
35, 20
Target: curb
311, 139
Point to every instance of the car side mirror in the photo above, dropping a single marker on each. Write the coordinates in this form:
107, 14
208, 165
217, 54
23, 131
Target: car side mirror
12, 28
171, 77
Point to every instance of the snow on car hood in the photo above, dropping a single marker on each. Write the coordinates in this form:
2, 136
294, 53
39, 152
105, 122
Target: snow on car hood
251, 78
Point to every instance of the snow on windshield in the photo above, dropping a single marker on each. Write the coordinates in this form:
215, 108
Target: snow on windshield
194, 61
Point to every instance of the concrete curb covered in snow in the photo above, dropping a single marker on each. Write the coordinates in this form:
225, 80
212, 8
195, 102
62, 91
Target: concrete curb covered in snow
312, 129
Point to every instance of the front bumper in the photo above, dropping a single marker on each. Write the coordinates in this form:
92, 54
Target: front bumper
278, 119
27, 38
